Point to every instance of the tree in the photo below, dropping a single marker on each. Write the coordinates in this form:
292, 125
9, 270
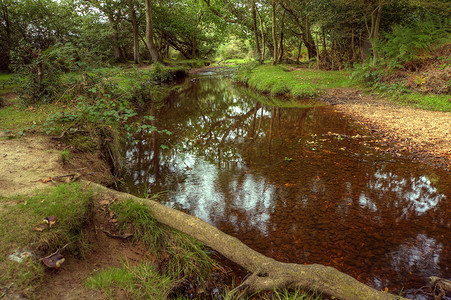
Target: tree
136, 56
150, 35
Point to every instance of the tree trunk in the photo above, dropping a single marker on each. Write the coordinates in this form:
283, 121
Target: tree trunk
115, 37
266, 273
136, 56
376, 17
150, 33
282, 25
262, 59
308, 40
274, 38
194, 49
255, 28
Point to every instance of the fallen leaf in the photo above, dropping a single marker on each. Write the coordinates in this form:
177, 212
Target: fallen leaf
54, 261
40, 228
104, 202
46, 180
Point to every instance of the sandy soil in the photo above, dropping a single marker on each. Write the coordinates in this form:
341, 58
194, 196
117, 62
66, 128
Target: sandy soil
24, 161
419, 134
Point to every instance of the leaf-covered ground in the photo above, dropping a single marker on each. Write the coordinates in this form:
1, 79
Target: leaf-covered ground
420, 134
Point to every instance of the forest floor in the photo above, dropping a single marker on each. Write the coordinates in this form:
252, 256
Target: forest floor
421, 135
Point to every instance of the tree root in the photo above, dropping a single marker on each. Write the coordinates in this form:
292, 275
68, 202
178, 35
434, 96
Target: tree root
267, 273
441, 287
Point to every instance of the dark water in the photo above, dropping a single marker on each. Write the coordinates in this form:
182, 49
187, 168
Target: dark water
303, 185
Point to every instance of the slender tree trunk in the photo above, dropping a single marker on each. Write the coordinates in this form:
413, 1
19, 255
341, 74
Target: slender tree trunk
318, 58
194, 49
282, 27
274, 37
255, 28
376, 17
263, 51
40, 67
150, 33
136, 56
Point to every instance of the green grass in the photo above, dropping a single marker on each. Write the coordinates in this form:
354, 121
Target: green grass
19, 216
138, 282
18, 119
425, 101
283, 294
5, 86
181, 259
304, 83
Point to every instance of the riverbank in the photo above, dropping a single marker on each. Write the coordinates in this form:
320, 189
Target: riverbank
419, 134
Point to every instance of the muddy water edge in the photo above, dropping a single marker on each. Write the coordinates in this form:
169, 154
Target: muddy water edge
299, 183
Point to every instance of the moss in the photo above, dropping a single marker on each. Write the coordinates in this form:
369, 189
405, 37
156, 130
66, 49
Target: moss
284, 80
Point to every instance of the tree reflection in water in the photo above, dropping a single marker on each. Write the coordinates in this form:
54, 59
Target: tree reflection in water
299, 184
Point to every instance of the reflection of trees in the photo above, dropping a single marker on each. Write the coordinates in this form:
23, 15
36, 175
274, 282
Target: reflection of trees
322, 204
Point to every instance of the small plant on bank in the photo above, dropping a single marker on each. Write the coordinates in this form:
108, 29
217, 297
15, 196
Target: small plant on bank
19, 215
182, 260
65, 156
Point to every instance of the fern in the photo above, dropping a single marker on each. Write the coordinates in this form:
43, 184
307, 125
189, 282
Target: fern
409, 43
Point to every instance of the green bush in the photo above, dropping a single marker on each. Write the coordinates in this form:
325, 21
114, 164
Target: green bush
413, 42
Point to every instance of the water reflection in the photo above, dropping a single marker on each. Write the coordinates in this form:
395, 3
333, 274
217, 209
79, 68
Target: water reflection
300, 185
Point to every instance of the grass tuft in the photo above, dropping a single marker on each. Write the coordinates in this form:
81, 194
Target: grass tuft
19, 215
138, 282
187, 257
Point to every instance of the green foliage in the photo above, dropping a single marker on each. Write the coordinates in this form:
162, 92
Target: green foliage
367, 74
188, 259
42, 77
233, 49
139, 282
72, 207
413, 42
279, 80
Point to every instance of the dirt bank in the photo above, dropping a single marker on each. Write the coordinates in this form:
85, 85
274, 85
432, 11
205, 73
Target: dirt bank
28, 161
418, 134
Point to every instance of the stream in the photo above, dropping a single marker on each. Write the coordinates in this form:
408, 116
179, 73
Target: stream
299, 183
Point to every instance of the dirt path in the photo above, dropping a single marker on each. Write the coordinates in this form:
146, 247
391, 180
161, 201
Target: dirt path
24, 161
419, 134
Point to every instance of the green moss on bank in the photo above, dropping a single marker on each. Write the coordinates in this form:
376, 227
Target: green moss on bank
286, 80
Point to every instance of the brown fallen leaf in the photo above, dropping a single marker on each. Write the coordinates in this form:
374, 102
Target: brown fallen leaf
104, 202
46, 180
40, 228
50, 220
54, 261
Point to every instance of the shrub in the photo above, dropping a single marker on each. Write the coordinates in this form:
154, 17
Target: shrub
413, 42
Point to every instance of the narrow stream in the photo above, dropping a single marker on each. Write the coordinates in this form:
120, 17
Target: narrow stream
302, 185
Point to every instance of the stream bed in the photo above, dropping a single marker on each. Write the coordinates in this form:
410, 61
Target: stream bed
299, 183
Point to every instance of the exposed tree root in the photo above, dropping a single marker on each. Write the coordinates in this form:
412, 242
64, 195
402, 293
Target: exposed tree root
267, 273
441, 287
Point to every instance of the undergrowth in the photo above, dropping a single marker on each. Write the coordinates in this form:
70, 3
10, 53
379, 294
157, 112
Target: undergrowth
181, 260
20, 215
